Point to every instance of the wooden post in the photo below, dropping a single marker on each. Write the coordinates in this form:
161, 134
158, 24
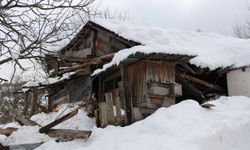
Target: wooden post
103, 114
100, 90
110, 109
26, 106
34, 100
92, 44
126, 94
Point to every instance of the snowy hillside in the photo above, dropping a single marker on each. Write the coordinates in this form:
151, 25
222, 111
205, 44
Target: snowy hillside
185, 126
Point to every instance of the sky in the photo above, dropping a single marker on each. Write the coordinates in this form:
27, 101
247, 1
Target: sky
208, 15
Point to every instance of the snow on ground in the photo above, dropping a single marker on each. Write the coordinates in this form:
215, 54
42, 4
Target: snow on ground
223, 50
183, 126
80, 121
10, 125
25, 135
2, 138
29, 134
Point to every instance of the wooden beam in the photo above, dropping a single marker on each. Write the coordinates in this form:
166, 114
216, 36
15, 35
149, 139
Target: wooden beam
46, 128
201, 82
44, 109
190, 88
24, 121
73, 68
7, 131
21, 146
69, 134
186, 67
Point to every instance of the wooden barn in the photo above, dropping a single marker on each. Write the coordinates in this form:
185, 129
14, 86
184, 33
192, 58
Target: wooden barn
136, 88
143, 80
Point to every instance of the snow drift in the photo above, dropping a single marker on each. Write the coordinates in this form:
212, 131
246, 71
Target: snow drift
182, 126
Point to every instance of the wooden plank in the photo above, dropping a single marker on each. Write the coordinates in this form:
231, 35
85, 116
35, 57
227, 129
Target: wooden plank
68, 134
21, 146
7, 131
110, 109
46, 128
74, 68
103, 114
117, 103
92, 43
24, 121
127, 94
186, 66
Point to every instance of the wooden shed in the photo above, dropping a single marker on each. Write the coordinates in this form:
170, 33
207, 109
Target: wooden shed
139, 85
136, 88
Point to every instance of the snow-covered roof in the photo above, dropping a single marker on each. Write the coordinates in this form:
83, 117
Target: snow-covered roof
212, 50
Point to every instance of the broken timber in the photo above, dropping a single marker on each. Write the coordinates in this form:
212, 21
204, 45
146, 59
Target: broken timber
44, 109
46, 128
207, 105
24, 121
21, 146
69, 134
201, 82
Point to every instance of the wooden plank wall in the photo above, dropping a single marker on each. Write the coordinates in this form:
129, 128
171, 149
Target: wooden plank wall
146, 71
111, 112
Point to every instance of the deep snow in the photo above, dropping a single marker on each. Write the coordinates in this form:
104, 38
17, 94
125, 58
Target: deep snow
184, 126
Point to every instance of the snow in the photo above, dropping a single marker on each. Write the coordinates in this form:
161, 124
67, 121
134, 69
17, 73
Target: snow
185, 125
182, 126
47, 80
25, 135
10, 125
33, 71
2, 138
80, 121
212, 50
30, 134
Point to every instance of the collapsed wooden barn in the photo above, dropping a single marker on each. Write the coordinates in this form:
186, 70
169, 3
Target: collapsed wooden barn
133, 88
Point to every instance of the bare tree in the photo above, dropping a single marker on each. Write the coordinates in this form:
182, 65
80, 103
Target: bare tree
242, 30
28, 29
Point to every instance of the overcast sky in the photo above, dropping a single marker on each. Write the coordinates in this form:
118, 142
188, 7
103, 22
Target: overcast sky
208, 15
